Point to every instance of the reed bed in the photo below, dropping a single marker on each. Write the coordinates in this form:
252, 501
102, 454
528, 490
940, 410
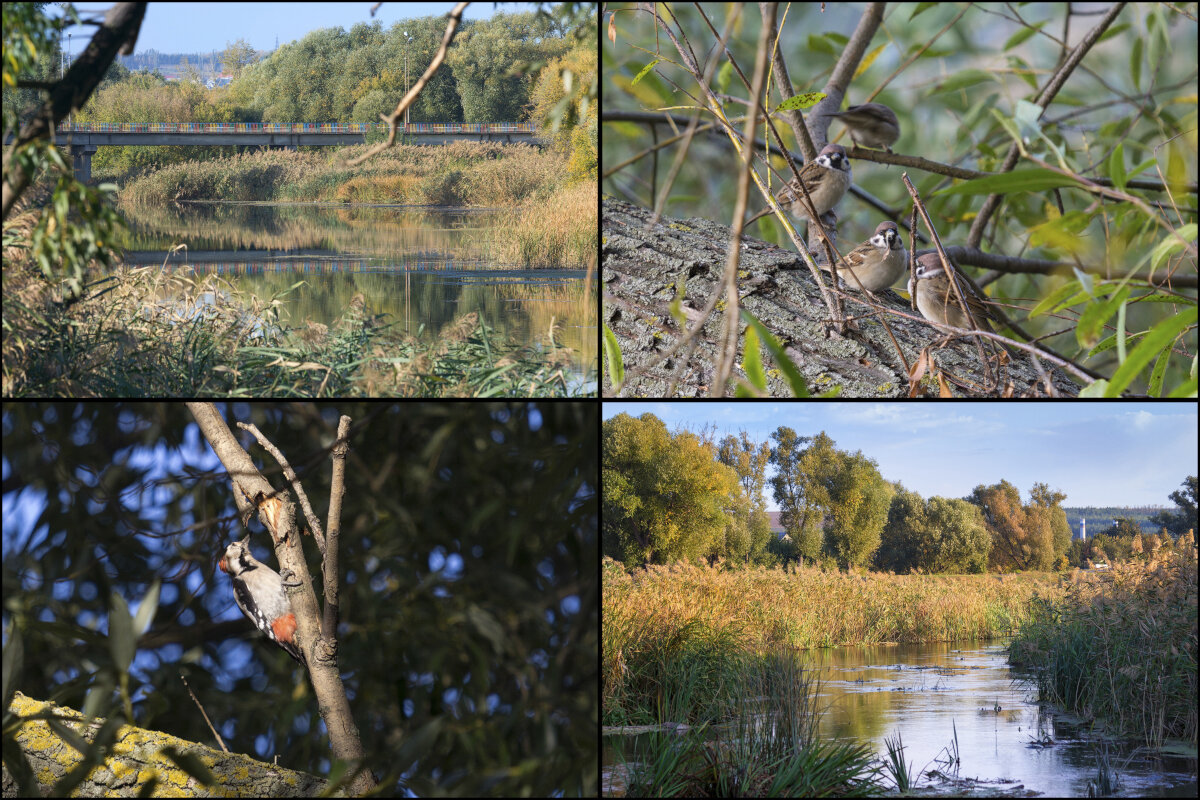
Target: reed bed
209, 339
655, 616
768, 746
1121, 646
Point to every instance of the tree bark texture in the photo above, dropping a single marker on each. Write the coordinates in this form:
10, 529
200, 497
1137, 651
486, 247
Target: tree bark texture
643, 270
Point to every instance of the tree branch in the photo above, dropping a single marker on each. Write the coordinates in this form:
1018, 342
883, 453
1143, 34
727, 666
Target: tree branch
408, 99
118, 33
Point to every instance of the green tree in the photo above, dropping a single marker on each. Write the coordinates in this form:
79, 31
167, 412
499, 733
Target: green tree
900, 542
964, 543
237, 56
938, 535
798, 488
484, 59
418, 40
79, 225
1124, 526
857, 509
749, 461
1060, 529
665, 497
1184, 519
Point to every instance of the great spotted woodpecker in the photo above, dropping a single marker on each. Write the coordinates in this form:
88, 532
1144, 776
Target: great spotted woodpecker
259, 592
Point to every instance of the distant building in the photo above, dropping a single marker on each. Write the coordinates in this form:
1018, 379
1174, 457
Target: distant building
1083, 529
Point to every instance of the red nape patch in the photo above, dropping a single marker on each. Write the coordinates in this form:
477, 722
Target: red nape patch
284, 628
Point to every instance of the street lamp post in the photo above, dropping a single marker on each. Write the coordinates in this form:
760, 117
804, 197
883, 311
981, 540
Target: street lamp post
69, 121
406, 43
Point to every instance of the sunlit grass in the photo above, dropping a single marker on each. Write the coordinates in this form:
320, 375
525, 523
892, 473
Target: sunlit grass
1121, 646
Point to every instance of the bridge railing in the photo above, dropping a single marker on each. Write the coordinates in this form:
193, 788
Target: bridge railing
294, 127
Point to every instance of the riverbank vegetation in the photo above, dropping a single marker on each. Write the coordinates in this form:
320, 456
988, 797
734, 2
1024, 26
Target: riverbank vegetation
746, 758
663, 621
549, 223
146, 332
1120, 646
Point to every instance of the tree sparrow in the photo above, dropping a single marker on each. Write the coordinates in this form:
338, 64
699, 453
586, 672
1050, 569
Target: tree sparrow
877, 262
937, 301
871, 124
827, 177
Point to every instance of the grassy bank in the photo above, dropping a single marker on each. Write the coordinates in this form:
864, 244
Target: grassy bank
663, 623
552, 225
1120, 646
209, 339
748, 758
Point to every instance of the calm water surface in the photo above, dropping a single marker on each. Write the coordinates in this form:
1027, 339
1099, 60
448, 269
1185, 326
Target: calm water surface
926, 692
422, 268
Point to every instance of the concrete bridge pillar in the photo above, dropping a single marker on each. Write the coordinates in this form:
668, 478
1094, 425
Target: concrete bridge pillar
81, 158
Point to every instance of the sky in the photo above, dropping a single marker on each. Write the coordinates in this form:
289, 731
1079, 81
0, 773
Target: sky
1097, 453
203, 27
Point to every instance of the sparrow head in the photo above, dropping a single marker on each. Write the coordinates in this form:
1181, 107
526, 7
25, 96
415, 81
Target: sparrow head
887, 236
833, 156
928, 266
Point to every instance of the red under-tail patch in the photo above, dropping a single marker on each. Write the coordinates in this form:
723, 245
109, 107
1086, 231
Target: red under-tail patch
284, 628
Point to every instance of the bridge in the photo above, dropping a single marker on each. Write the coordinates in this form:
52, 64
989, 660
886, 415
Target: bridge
85, 138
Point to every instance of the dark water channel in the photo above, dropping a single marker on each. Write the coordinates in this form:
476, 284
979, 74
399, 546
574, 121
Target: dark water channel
1008, 745
422, 268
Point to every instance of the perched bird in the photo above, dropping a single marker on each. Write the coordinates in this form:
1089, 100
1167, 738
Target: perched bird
877, 262
826, 177
937, 301
871, 125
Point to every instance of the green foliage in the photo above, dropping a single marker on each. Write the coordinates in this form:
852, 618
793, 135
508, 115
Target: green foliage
938, 535
505, 491
76, 228
665, 496
237, 56
858, 508
31, 51
797, 487
754, 526
1133, 327
484, 62
1184, 520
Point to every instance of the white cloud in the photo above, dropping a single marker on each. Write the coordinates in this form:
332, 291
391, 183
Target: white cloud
1142, 420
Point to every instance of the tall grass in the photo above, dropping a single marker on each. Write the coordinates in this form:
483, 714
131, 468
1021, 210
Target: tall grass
755, 609
210, 339
1121, 646
763, 744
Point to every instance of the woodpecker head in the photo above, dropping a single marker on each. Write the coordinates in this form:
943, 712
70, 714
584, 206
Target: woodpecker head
237, 557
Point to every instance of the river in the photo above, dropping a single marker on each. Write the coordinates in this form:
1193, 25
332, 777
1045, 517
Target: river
927, 692
422, 268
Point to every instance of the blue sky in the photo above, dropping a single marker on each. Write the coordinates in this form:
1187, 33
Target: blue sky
1098, 454
202, 27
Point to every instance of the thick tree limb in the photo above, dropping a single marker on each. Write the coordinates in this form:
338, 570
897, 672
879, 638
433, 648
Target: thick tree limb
643, 268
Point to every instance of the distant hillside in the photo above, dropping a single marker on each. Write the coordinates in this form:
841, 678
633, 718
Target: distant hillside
1100, 519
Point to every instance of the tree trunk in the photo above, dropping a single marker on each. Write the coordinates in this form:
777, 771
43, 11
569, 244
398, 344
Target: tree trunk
643, 270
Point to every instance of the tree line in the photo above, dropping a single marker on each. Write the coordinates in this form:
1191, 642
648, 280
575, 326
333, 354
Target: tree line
688, 496
503, 69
